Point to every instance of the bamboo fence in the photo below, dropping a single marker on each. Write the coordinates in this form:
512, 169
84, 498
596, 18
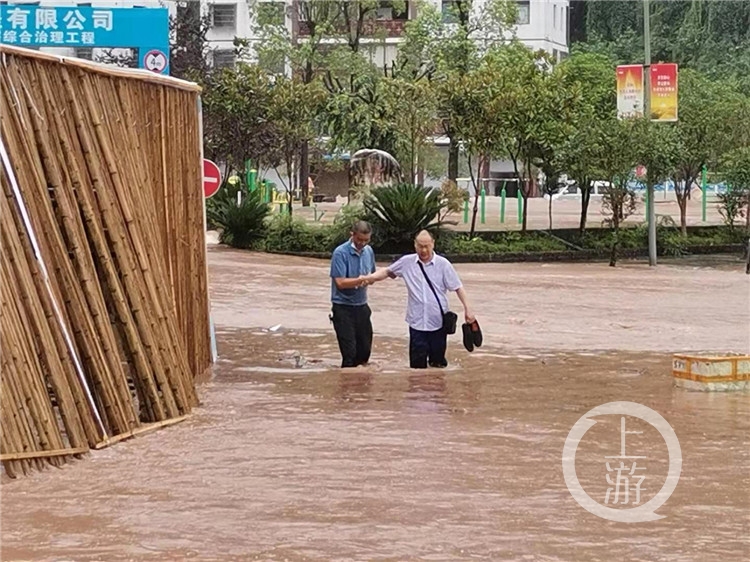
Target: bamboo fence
104, 307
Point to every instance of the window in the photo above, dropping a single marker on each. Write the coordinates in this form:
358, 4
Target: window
554, 17
387, 11
270, 13
523, 17
271, 62
224, 58
224, 16
449, 10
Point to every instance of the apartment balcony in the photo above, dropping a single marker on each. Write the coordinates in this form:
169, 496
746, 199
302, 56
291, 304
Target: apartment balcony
385, 21
371, 28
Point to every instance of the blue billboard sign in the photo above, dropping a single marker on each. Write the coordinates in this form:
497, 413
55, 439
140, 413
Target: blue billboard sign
145, 29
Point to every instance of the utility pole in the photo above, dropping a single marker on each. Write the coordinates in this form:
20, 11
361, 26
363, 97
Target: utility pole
647, 111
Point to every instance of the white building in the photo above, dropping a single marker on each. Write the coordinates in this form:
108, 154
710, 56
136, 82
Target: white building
542, 24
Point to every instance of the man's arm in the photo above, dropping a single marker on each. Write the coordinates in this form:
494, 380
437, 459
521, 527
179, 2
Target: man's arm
379, 275
351, 282
339, 271
394, 270
453, 283
468, 312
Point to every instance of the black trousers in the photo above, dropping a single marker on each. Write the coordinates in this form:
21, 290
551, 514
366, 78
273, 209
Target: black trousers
427, 348
354, 333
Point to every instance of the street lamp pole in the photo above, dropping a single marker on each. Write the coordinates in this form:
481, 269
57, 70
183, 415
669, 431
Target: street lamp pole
647, 111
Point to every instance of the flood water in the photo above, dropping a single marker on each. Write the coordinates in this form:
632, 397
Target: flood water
291, 458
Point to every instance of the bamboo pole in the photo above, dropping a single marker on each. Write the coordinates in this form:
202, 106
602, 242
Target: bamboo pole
85, 314
44, 454
103, 256
139, 431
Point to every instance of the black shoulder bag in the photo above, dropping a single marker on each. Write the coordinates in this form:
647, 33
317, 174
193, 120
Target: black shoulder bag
449, 318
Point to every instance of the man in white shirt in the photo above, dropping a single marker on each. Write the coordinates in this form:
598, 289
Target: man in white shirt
427, 338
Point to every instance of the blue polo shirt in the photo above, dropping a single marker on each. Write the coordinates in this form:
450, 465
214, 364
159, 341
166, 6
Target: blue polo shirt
347, 262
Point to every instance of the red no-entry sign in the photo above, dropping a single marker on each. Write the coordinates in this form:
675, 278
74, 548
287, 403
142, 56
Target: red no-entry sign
211, 178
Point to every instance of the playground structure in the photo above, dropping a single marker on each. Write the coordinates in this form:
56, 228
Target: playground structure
105, 315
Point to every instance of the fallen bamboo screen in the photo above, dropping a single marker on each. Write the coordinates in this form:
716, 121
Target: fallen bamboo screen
104, 322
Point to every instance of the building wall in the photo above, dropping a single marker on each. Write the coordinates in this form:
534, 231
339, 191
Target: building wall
547, 26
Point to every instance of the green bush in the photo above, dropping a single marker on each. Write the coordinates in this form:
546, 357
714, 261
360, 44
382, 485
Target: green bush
671, 242
216, 206
287, 234
341, 229
398, 212
241, 226
510, 242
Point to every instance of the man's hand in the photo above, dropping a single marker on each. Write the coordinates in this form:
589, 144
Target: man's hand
469, 316
363, 281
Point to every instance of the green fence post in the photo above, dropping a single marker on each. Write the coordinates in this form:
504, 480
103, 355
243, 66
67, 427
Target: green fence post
502, 205
466, 211
482, 194
704, 186
519, 198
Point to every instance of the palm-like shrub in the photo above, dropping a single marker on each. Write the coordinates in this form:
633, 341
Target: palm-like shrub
398, 212
240, 225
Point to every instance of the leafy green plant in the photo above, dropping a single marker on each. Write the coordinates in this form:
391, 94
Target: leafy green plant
672, 243
398, 212
511, 242
731, 205
286, 234
241, 226
340, 231
217, 205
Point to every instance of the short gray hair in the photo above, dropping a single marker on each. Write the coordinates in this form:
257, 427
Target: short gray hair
362, 227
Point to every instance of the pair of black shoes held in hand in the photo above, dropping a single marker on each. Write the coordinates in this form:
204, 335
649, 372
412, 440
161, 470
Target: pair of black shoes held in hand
472, 335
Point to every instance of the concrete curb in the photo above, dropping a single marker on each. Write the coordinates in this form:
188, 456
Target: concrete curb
562, 256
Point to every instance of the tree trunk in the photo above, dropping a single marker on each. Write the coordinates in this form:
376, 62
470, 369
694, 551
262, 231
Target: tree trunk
549, 208
585, 198
476, 197
304, 173
453, 161
681, 194
525, 210
616, 241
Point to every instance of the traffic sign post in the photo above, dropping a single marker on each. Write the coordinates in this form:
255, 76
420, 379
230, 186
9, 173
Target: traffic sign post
155, 61
211, 178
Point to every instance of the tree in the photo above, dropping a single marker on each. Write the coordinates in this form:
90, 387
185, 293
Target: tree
736, 168
580, 152
528, 115
442, 53
413, 110
292, 109
704, 118
656, 146
189, 47
711, 37
617, 161
237, 105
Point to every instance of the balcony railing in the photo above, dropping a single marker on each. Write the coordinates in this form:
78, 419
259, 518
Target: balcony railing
371, 28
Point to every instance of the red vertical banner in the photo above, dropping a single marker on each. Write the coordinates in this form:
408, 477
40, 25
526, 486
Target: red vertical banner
629, 91
664, 92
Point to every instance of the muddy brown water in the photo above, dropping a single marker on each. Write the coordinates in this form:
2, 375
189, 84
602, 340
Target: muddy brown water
290, 458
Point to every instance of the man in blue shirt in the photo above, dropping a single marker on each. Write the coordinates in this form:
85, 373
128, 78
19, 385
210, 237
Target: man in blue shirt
351, 263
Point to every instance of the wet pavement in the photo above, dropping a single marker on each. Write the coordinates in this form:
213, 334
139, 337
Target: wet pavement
290, 458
